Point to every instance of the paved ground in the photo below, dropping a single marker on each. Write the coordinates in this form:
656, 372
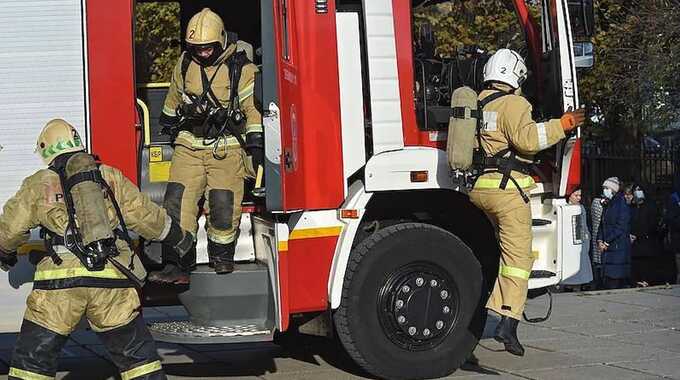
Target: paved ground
627, 334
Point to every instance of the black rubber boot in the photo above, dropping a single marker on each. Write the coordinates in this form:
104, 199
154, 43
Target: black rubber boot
506, 333
222, 256
171, 274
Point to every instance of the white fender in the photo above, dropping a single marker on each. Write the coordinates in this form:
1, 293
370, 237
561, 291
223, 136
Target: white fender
357, 200
392, 170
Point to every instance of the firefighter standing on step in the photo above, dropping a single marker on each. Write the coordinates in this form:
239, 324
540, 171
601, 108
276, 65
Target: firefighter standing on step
215, 121
510, 138
65, 287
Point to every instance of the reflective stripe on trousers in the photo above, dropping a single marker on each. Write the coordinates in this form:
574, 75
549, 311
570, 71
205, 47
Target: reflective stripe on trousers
141, 370
508, 271
27, 375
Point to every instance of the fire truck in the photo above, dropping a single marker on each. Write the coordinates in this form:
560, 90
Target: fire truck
362, 231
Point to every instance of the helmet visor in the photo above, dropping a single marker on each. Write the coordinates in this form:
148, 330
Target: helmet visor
205, 54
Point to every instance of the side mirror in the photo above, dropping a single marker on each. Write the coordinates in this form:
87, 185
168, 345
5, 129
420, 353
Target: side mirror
584, 56
582, 16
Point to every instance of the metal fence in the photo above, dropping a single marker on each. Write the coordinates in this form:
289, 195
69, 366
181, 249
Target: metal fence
653, 169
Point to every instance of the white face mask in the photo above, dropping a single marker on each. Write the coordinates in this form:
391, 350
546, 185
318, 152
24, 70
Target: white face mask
608, 193
639, 194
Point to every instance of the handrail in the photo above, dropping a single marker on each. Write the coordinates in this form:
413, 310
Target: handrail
153, 85
146, 124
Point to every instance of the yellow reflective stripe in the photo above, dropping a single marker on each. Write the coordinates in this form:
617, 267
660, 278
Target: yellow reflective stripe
310, 233
283, 246
27, 375
254, 128
246, 92
168, 111
495, 183
141, 370
197, 142
507, 271
57, 274
153, 85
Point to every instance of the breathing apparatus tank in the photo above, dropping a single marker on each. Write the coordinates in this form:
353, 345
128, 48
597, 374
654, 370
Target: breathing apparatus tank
87, 200
462, 128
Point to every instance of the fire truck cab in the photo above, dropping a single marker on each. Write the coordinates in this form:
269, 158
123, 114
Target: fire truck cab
363, 230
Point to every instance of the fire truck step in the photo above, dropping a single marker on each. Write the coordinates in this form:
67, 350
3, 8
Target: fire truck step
229, 308
186, 332
542, 274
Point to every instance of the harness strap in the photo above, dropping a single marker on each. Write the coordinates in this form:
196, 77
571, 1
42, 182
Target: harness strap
498, 163
92, 176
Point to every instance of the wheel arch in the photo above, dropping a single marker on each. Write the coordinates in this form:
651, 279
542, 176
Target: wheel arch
448, 209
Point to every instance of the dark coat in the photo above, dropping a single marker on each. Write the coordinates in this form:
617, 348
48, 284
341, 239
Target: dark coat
615, 231
644, 221
672, 218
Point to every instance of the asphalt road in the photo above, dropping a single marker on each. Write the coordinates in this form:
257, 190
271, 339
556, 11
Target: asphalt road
621, 335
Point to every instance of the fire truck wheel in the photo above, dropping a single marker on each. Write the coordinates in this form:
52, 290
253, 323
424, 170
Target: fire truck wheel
410, 303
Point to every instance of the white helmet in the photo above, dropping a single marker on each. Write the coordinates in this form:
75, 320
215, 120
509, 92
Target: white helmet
506, 66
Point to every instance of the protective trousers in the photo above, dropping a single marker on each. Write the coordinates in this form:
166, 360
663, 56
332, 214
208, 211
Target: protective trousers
512, 217
198, 174
52, 315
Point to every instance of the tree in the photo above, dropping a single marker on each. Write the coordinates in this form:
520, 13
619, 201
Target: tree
489, 24
157, 41
636, 77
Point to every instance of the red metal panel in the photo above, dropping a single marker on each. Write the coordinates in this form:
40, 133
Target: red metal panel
309, 93
308, 266
533, 37
111, 83
404, 40
574, 178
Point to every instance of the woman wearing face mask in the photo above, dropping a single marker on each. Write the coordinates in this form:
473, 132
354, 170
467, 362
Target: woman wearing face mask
613, 236
643, 228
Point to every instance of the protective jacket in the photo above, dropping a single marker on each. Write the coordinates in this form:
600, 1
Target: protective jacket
40, 202
509, 129
188, 84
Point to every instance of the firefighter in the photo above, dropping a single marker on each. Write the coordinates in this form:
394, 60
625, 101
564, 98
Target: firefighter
215, 121
510, 138
64, 289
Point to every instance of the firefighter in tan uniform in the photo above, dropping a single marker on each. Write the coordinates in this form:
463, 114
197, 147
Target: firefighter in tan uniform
510, 138
68, 286
215, 121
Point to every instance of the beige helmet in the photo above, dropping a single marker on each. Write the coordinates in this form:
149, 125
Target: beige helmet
206, 27
57, 137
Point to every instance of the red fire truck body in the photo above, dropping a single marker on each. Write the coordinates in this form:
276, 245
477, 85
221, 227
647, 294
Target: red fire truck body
364, 225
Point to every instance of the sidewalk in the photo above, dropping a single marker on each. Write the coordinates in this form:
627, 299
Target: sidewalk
619, 335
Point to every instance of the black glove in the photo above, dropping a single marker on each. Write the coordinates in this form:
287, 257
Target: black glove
7, 260
255, 148
181, 241
168, 124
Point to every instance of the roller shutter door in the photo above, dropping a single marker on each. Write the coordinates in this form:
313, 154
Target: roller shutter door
42, 76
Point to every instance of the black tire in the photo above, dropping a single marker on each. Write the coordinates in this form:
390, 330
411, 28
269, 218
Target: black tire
403, 251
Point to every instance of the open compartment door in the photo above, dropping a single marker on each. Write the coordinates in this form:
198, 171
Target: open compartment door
306, 119
561, 84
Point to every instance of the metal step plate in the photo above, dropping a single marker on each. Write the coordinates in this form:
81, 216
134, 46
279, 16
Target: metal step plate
189, 333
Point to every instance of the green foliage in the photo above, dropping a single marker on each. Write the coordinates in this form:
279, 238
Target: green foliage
636, 79
157, 41
489, 24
